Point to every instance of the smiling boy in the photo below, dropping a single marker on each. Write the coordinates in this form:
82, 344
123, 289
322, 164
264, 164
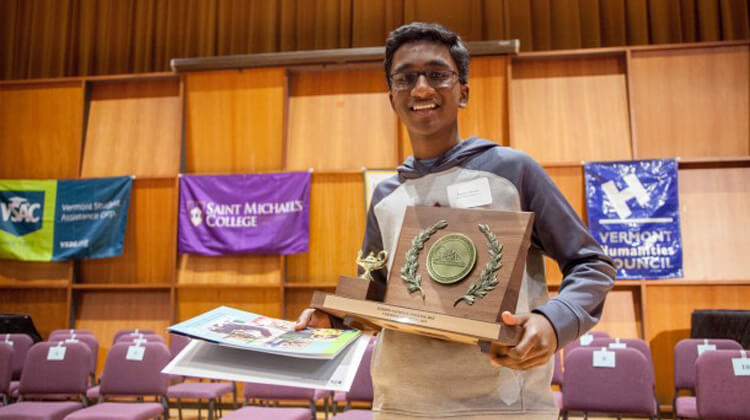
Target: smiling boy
413, 376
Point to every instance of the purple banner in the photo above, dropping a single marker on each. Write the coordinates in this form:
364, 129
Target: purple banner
244, 214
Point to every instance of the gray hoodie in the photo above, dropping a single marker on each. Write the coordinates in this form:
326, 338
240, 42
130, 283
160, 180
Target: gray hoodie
420, 376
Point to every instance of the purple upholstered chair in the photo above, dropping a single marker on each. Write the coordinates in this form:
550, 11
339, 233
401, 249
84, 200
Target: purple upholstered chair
271, 413
361, 389
129, 338
634, 343
123, 377
585, 340
625, 389
42, 377
720, 393
21, 344
557, 379
134, 331
68, 332
86, 339
6, 368
264, 392
685, 355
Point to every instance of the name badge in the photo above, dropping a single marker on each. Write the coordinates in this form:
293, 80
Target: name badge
702, 348
618, 345
56, 353
469, 194
741, 366
586, 339
135, 353
604, 359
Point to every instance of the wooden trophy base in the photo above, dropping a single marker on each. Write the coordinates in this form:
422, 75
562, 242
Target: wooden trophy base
357, 300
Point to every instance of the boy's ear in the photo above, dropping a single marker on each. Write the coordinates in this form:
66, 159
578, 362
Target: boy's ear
464, 98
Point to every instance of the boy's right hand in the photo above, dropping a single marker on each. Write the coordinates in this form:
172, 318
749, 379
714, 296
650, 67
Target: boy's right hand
312, 318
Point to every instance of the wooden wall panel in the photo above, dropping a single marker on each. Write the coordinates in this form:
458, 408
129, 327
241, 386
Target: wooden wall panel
104, 312
340, 119
30, 272
134, 128
192, 302
234, 121
569, 180
40, 130
149, 254
255, 270
337, 225
47, 307
621, 316
668, 321
714, 207
486, 114
692, 103
463, 17
570, 109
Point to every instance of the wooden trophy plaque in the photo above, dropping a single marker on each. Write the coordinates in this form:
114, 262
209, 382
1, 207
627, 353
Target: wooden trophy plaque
453, 274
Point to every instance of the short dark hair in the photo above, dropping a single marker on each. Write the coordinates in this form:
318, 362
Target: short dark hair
433, 32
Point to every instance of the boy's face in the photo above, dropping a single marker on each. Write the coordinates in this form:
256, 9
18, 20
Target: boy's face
426, 108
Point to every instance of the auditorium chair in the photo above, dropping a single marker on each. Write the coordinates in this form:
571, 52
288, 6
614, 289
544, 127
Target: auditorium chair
721, 394
361, 389
150, 337
68, 332
557, 379
626, 389
21, 344
685, 355
131, 378
267, 393
86, 339
6, 368
133, 331
42, 378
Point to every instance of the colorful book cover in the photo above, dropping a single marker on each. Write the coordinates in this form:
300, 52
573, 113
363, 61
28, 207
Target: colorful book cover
249, 331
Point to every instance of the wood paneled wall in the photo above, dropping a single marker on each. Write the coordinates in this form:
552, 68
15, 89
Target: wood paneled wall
562, 109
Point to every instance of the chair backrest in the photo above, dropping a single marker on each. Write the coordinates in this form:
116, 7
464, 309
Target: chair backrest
68, 332
277, 392
86, 339
125, 332
135, 377
557, 374
149, 337
586, 339
66, 374
721, 394
21, 344
626, 388
177, 342
685, 355
6, 367
361, 389
635, 343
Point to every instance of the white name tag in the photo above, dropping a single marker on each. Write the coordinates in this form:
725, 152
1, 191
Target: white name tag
586, 339
469, 194
604, 359
618, 345
56, 353
702, 348
741, 366
135, 353
10, 343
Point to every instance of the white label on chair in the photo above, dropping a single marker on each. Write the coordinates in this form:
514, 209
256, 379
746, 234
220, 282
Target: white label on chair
7, 340
702, 348
56, 353
604, 359
586, 339
618, 345
741, 366
71, 340
135, 353
139, 341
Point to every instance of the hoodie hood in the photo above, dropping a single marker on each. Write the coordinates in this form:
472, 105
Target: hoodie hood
412, 168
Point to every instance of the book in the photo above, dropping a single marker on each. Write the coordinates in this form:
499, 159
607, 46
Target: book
202, 359
248, 331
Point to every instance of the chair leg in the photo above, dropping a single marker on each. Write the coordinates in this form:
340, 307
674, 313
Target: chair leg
234, 395
312, 409
221, 410
200, 405
179, 408
211, 408
325, 407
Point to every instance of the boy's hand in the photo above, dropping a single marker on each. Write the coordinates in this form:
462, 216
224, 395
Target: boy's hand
312, 318
538, 342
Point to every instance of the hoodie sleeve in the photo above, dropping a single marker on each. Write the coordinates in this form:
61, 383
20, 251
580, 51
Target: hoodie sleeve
588, 273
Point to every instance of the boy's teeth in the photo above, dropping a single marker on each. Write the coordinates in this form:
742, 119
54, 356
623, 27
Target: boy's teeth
420, 107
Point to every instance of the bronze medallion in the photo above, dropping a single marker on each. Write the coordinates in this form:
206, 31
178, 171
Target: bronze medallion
451, 258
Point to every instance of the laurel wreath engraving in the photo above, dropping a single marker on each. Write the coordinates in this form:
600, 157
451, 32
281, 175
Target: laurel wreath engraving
409, 273
488, 278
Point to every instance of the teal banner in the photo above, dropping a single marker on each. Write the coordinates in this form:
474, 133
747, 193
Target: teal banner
51, 220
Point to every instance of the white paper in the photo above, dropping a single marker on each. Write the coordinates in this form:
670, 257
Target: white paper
604, 359
618, 345
207, 360
702, 348
56, 353
135, 353
470, 194
741, 366
586, 339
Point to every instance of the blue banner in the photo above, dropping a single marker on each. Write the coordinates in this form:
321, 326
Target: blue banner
49, 220
633, 212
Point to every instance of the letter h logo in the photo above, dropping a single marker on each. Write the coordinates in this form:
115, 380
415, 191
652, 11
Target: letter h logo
619, 199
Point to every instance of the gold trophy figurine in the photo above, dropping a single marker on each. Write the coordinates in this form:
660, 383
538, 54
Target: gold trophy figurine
371, 263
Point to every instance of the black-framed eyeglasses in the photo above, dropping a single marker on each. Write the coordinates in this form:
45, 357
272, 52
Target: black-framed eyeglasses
406, 80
